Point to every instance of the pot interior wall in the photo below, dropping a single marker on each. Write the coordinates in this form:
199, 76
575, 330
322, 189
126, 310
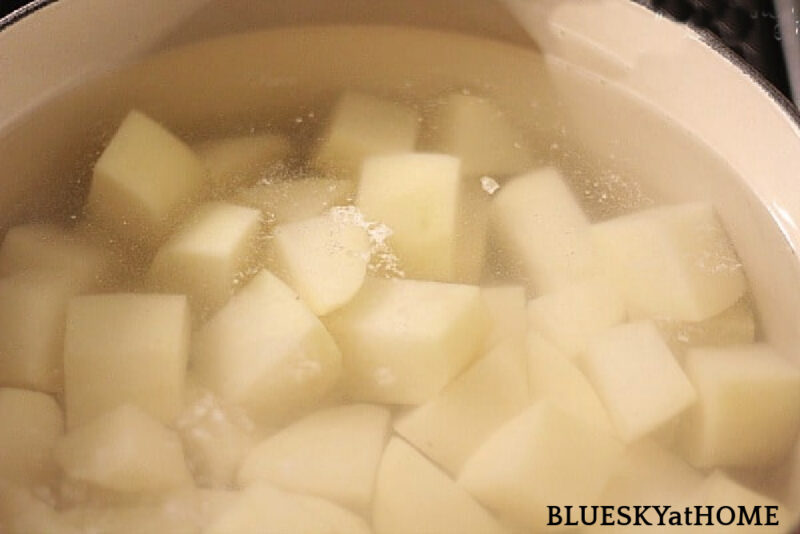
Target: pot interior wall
267, 80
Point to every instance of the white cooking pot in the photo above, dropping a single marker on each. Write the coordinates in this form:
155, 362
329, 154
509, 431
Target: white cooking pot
666, 103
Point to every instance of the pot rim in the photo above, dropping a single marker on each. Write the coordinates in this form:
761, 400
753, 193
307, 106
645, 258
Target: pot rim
707, 37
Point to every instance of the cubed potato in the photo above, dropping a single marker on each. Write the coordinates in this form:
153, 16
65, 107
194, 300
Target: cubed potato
542, 456
142, 179
506, 306
538, 223
748, 412
32, 320
575, 314
361, 126
31, 423
332, 453
674, 262
128, 520
206, 257
50, 247
263, 508
22, 513
637, 377
266, 351
649, 474
404, 340
554, 377
719, 490
216, 437
476, 130
125, 348
734, 326
285, 201
323, 258
235, 161
185, 511
438, 223
125, 450
449, 428
413, 495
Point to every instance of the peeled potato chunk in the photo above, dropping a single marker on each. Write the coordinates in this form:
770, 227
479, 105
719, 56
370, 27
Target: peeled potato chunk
266, 351
31, 423
748, 410
450, 427
142, 179
412, 495
263, 508
32, 320
125, 348
539, 225
323, 258
235, 161
290, 200
207, 255
540, 457
216, 437
124, 450
572, 316
649, 474
50, 247
332, 453
506, 306
185, 511
637, 377
474, 129
404, 340
22, 513
554, 377
438, 223
361, 126
671, 261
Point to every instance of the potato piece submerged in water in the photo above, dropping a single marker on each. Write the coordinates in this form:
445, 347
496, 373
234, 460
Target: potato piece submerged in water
571, 316
31, 424
413, 495
554, 377
474, 129
538, 224
142, 179
206, 255
124, 450
125, 348
235, 161
266, 351
674, 262
332, 453
541, 457
263, 508
50, 247
294, 199
506, 306
216, 437
453, 424
404, 340
32, 320
748, 410
22, 513
638, 378
361, 126
323, 258
438, 221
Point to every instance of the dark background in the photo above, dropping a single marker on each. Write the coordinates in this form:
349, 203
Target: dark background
748, 27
